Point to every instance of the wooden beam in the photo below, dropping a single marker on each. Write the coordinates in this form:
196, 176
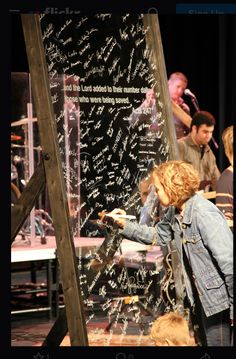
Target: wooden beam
158, 69
153, 39
96, 269
55, 180
24, 204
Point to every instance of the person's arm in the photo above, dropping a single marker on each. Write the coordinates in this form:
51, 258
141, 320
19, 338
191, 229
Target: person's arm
139, 116
180, 114
134, 117
186, 108
161, 234
149, 207
143, 113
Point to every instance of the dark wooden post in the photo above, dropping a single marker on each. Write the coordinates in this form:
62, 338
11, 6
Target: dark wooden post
55, 180
153, 39
158, 69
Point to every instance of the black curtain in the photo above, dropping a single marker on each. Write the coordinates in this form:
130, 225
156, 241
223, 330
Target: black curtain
200, 45
204, 48
227, 76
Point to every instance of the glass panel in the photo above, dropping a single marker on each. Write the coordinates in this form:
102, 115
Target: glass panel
121, 130
111, 129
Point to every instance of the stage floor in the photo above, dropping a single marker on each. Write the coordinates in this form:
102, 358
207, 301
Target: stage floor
33, 330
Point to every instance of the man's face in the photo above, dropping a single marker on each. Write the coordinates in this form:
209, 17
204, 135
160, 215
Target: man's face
203, 134
160, 192
176, 88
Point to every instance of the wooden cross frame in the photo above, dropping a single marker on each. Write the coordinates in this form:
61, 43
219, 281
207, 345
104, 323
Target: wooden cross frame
71, 318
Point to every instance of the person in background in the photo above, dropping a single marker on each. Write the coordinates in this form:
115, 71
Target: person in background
177, 84
146, 113
204, 245
224, 186
171, 329
194, 149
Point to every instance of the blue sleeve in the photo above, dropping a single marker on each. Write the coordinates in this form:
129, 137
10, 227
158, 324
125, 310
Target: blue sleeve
161, 234
148, 209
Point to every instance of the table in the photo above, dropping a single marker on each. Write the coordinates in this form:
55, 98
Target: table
21, 252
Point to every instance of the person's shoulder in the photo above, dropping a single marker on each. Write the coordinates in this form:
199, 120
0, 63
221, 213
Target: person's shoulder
184, 141
200, 200
186, 138
227, 173
203, 207
225, 177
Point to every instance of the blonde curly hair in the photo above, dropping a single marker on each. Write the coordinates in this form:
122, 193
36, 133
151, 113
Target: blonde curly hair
171, 329
227, 137
179, 180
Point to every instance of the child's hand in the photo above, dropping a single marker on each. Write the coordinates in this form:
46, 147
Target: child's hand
115, 215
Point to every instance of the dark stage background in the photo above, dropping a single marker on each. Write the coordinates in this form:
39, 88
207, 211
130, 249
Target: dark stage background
201, 46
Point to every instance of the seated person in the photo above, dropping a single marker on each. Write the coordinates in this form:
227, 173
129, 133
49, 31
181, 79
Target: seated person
147, 115
194, 149
177, 84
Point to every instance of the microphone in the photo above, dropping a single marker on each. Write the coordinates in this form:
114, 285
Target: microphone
187, 92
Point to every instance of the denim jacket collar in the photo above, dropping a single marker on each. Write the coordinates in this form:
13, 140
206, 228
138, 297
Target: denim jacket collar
188, 211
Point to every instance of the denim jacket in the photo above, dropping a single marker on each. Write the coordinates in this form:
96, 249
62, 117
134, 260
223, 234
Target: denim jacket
204, 236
